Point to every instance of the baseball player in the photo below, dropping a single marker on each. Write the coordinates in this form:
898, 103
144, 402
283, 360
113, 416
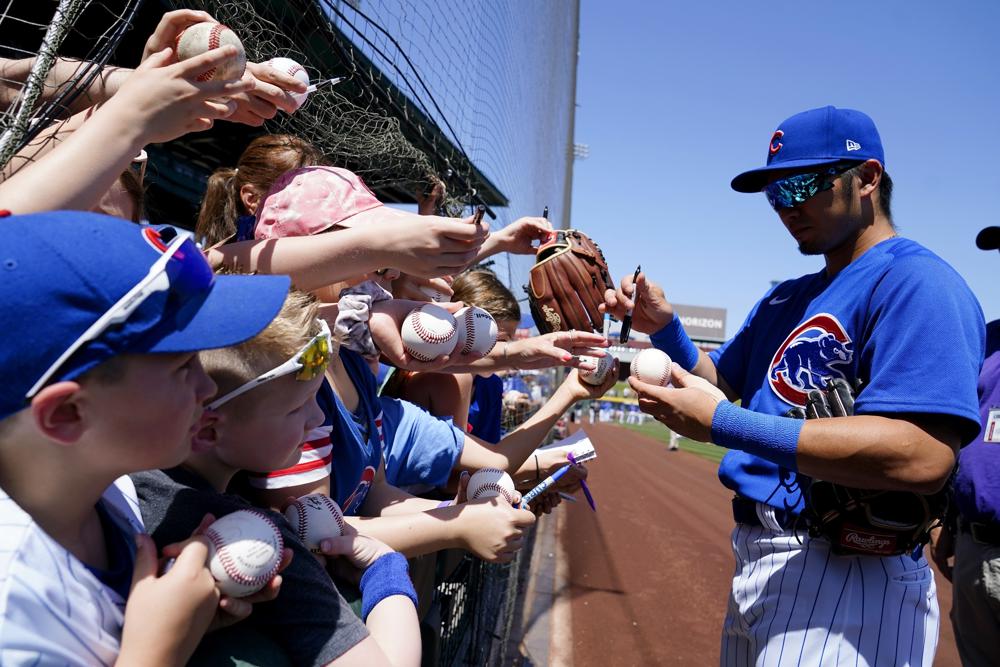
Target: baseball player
973, 538
883, 312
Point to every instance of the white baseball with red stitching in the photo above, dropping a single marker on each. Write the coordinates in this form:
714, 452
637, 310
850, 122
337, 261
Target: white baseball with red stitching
428, 332
294, 70
602, 366
244, 552
205, 36
477, 331
490, 483
652, 366
433, 294
315, 518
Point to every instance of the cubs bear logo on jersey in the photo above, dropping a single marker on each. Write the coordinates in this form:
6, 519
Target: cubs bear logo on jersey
816, 350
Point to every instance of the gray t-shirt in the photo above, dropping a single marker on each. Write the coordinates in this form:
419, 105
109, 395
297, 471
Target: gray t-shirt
309, 619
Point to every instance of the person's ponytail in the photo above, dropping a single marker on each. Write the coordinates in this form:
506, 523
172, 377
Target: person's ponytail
219, 208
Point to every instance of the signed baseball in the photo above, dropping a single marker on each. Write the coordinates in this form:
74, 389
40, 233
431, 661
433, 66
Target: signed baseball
596, 376
477, 331
428, 332
489, 483
652, 366
244, 552
294, 70
203, 37
314, 518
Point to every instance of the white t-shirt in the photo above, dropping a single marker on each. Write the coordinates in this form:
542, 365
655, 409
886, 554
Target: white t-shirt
53, 609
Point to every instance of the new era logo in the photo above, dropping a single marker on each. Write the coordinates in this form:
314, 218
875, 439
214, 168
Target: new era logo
853, 145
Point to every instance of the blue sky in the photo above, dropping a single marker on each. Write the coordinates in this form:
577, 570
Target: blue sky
676, 98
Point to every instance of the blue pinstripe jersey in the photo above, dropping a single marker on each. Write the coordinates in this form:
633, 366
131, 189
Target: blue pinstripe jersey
898, 319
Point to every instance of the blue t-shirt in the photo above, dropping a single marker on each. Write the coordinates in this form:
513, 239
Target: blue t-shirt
977, 483
420, 449
484, 410
356, 438
898, 319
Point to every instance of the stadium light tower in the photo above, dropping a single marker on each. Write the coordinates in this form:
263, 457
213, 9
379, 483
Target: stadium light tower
581, 151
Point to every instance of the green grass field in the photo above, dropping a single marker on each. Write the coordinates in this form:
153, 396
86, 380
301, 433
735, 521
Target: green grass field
658, 431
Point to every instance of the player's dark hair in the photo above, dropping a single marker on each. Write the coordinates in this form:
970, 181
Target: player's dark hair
884, 189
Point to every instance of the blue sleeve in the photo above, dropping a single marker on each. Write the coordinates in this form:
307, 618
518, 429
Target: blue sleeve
419, 448
731, 359
925, 336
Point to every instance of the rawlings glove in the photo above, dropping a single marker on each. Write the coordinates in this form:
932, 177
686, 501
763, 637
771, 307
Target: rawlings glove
567, 283
864, 521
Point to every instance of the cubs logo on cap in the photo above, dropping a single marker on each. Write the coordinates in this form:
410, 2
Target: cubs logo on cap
813, 353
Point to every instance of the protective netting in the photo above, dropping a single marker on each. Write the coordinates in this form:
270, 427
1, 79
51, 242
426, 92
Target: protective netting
37, 34
477, 93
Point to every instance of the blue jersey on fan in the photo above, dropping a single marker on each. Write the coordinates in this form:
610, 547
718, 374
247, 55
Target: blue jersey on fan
898, 320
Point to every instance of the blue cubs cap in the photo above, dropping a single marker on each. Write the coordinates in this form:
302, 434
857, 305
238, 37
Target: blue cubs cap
61, 271
814, 138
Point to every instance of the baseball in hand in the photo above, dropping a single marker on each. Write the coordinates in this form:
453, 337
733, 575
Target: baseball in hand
477, 331
428, 332
315, 518
652, 366
205, 36
294, 70
244, 552
489, 483
434, 295
602, 366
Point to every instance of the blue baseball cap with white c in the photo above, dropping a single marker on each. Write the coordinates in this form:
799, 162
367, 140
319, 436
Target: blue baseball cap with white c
815, 138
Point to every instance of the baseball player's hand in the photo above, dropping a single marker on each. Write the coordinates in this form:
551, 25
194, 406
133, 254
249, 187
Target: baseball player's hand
559, 348
492, 529
407, 286
429, 245
269, 93
517, 237
175, 608
230, 610
170, 27
164, 101
942, 548
687, 407
654, 311
385, 322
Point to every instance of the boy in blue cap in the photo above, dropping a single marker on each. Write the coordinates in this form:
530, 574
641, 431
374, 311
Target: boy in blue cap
884, 313
103, 322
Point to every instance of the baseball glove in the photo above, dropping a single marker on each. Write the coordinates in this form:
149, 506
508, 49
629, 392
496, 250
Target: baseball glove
864, 521
567, 283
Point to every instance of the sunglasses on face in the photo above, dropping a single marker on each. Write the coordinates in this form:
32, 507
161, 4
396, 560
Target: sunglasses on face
308, 363
795, 190
181, 271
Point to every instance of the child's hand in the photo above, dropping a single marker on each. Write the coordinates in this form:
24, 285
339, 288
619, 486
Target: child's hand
492, 529
559, 348
164, 101
175, 609
406, 286
518, 236
583, 390
350, 554
430, 245
269, 93
170, 27
232, 610
386, 320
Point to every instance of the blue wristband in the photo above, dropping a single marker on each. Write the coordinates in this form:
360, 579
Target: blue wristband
673, 340
767, 436
387, 576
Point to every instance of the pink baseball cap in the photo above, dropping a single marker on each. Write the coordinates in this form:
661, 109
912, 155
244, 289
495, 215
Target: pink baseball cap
310, 200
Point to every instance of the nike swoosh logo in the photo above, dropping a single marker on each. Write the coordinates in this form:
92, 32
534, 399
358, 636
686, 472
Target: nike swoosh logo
775, 301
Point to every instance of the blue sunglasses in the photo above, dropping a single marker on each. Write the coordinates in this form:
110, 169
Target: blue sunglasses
795, 190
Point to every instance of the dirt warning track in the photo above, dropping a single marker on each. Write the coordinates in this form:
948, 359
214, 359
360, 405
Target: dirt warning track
649, 573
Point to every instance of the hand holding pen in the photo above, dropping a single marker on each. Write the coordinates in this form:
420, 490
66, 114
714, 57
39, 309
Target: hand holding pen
627, 321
